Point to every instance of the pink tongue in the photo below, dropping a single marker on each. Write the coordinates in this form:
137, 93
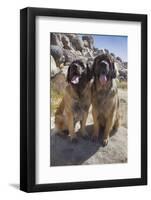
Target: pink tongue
75, 80
103, 79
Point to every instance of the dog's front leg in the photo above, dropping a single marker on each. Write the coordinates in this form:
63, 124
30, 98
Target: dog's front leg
83, 123
70, 124
96, 125
108, 128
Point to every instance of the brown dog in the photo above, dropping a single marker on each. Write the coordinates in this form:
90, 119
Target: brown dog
105, 100
76, 101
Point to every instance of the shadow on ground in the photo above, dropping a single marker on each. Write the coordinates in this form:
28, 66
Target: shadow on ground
64, 152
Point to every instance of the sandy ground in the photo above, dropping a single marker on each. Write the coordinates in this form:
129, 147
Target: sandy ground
63, 152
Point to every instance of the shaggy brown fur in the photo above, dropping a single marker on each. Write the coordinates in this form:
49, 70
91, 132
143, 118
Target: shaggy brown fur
76, 101
105, 100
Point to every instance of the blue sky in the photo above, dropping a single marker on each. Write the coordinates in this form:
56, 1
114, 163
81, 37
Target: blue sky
115, 44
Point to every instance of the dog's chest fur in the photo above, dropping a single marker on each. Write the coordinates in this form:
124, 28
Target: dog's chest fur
79, 107
81, 104
76, 103
105, 100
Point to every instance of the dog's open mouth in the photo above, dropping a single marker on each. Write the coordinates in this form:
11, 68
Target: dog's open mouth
75, 79
103, 79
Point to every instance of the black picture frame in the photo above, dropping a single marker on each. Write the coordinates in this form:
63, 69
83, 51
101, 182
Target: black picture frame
28, 98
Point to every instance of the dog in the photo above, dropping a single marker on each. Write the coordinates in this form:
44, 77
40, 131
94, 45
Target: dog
76, 101
105, 99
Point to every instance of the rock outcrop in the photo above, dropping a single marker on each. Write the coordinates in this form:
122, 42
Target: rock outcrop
67, 47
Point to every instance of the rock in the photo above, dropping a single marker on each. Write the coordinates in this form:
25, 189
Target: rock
90, 41
122, 70
112, 54
66, 43
70, 35
86, 44
100, 51
125, 65
96, 52
77, 43
78, 53
86, 52
106, 51
70, 56
121, 78
118, 64
123, 74
54, 69
86, 152
67, 47
56, 39
119, 59
57, 53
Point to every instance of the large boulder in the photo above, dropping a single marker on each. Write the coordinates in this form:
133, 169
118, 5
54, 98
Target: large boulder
106, 51
70, 35
70, 56
66, 43
125, 65
77, 43
55, 39
112, 55
88, 41
54, 69
123, 74
57, 53
88, 53
64, 152
86, 44
67, 47
119, 59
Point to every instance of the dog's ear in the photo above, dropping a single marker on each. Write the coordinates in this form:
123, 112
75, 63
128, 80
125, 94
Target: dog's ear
114, 73
93, 67
68, 74
89, 71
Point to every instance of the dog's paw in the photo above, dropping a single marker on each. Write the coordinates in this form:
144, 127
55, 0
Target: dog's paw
73, 138
86, 137
84, 134
105, 141
95, 138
